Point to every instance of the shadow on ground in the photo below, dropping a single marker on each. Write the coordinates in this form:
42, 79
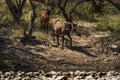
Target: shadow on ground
82, 49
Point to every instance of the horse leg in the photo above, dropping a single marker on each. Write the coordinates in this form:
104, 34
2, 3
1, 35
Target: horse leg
41, 24
44, 25
66, 42
58, 39
63, 42
70, 41
47, 27
53, 36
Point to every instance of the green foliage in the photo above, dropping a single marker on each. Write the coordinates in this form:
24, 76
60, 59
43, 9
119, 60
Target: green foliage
83, 32
41, 36
112, 22
84, 12
109, 9
109, 21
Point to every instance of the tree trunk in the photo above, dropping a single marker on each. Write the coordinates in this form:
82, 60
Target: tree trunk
29, 31
16, 9
67, 18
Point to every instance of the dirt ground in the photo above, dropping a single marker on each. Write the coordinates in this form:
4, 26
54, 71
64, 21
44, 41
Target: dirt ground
48, 56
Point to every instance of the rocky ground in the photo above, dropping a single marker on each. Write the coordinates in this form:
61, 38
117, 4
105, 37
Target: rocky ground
53, 75
42, 55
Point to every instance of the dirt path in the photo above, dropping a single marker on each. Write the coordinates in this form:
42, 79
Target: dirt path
82, 56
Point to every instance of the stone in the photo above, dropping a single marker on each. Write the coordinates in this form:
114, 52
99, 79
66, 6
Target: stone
110, 73
7, 78
20, 74
29, 74
35, 79
61, 78
89, 78
7, 74
41, 71
53, 72
76, 73
17, 78
35, 74
26, 78
78, 78
1, 73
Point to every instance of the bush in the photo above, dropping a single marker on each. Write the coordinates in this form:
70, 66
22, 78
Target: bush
110, 23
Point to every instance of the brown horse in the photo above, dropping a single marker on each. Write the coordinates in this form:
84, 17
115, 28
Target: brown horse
44, 19
62, 29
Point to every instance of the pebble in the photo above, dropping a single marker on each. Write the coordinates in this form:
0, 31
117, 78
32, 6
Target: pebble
53, 75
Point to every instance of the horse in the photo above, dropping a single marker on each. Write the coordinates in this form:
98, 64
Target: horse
44, 19
61, 29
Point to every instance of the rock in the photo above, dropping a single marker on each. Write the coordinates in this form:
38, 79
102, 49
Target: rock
113, 46
43, 78
70, 74
35, 79
76, 73
64, 73
111, 73
17, 78
35, 74
7, 74
3, 76
61, 78
100, 74
20, 74
1, 73
101, 79
26, 78
7, 78
41, 71
115, 53
78, 78
107, 59
89, 78
86, 60
48, 75
12, 73
51, 79
29, 74
53, 72
83, 74
54, 76
59, 73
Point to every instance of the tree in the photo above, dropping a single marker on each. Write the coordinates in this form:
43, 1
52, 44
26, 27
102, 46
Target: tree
15, 7
115, 3
28, 32
98, 6
62, 5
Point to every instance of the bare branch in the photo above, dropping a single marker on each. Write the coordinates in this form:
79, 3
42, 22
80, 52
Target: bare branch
64, 5
59, 3
22, 3
75, 7
17, 3
11, 6
114, 4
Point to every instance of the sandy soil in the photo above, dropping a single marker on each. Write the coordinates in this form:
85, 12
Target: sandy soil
48, 56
